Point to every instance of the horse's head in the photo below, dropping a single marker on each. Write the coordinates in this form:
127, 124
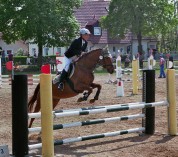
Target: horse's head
105, 60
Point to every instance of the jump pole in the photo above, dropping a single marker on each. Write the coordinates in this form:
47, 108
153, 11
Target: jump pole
171, 96
46, 115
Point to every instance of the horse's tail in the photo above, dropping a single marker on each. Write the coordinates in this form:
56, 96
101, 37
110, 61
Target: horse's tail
33, 98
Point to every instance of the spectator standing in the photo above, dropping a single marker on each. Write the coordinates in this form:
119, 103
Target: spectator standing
168, 55
28, 61
3, 57
141, 58
10, 56
35, 57
171, 60
52, 62
137, 55
154, 53
161, 64
127, 61
35, 54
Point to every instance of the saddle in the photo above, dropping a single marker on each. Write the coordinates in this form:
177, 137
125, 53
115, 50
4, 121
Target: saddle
68, 80
71, 70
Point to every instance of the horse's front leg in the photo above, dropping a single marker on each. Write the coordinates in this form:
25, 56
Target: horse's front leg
85, 95
98, 86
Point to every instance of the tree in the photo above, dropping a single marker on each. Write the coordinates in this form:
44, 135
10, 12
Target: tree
45, 22
141, 17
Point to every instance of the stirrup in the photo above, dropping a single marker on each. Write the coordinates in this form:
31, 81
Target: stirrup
61, 86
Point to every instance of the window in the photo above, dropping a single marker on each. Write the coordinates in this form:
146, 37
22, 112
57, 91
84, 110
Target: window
97, 30
46, 49
129, 49
114, 49
9, 51
59, 50
152, 46
33, 51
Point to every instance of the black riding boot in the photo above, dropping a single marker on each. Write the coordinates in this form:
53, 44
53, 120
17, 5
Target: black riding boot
62, 78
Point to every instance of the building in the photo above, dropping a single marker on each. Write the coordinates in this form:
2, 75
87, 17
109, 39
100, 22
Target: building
13, 47
88, 15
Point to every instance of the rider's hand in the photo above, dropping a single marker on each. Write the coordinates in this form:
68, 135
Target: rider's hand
83, 53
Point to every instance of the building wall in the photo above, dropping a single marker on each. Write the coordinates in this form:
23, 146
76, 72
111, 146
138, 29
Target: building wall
145, 45
46, 50
14, 47
114, 49
117, 49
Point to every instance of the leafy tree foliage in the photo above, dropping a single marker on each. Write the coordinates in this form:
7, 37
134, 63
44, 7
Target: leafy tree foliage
45, 22
141, 17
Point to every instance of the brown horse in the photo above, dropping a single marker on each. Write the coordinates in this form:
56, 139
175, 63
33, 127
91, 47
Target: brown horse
81, 80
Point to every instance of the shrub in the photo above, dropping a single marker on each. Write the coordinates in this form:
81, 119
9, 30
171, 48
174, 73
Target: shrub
19, 52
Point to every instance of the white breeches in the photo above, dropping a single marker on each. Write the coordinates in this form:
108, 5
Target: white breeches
67, 62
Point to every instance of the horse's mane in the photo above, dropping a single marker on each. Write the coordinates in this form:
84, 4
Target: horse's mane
86, 54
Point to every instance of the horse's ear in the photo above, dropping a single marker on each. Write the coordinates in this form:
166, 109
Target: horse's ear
106, 49
106, 52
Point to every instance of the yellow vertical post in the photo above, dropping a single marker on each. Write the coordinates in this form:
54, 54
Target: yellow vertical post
171, 96
46, 115
135, 76
138, 74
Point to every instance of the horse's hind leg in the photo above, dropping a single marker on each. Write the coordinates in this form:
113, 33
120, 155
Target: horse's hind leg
98, 86
55, 102
36, 109
31, 122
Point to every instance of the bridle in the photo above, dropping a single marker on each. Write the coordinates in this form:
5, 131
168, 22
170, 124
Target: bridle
102, 57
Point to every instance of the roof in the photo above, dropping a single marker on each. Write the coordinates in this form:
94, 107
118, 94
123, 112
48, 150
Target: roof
91, 9
89, 13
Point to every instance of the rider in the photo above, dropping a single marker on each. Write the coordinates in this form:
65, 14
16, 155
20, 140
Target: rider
76, 48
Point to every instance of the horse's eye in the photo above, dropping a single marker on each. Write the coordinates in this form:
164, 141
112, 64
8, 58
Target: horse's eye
101, 57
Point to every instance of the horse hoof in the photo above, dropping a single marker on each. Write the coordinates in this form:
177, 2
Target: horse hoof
80, 99
92, 101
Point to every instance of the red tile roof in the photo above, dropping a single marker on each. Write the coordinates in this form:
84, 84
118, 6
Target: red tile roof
92, 10
89, 12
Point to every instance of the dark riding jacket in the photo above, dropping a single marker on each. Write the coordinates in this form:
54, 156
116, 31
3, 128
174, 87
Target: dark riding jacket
76, 48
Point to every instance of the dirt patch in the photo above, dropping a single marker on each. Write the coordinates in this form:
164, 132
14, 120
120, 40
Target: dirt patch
129, 145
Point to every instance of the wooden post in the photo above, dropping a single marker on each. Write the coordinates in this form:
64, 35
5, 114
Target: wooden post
171, 96
46, 115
